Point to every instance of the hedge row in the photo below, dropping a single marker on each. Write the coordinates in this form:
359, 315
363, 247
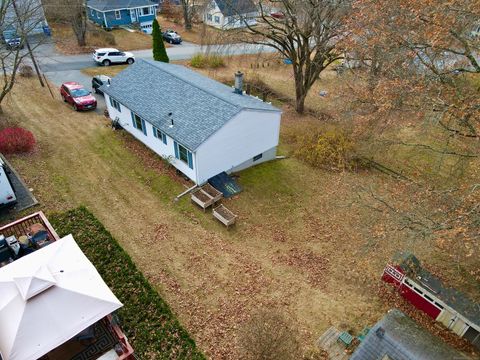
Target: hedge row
146, 318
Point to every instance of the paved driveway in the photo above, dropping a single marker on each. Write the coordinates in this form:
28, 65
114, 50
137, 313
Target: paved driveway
59, 77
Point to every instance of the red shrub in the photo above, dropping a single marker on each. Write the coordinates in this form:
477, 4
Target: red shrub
16, 140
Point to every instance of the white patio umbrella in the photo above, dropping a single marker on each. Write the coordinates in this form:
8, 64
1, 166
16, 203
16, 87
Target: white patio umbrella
48, 297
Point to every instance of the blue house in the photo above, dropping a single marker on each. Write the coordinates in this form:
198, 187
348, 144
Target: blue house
115, 13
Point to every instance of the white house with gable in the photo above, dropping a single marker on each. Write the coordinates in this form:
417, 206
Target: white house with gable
201, 126
230, 14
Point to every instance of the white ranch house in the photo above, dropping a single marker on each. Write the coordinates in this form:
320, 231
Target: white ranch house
230, 14
200, 125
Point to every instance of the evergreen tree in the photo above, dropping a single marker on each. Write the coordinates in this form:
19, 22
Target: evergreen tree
159, 52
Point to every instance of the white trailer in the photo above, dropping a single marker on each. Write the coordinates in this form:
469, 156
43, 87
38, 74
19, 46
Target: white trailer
7, 194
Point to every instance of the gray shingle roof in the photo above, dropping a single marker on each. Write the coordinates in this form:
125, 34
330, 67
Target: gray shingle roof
401, 338
109, 5
236, 7
450, 296
199, 105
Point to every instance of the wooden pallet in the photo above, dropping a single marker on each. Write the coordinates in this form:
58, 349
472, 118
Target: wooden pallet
329, 342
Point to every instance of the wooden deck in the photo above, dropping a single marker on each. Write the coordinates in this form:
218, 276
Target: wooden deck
328, 342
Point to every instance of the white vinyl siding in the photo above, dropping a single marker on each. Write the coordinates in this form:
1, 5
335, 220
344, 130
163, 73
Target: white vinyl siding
247, 135
165, 151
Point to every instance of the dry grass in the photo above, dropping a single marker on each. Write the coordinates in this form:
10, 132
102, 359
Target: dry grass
291, 217
96, 37
270, 69
104, 70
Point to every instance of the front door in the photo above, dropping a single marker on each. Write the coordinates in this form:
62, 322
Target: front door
133, 15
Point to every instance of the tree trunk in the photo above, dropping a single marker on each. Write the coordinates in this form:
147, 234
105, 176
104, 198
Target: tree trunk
81, 39
187, 16
300, 103
300, 91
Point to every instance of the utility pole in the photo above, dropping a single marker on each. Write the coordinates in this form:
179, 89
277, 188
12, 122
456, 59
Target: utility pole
20, 21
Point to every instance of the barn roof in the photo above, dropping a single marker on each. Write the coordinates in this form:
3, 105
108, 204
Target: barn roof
399, 337
109, 5
199, 106
450, 296
236, 7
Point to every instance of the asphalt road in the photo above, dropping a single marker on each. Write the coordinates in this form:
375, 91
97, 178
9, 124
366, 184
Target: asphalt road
50, 61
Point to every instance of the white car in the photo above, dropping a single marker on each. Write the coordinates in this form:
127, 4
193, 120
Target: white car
109, 56
7, 194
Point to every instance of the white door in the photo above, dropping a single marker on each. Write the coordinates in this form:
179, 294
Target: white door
146, 28
133, 15
117, 57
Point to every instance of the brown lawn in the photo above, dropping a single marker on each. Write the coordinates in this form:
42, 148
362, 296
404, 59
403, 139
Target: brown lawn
96, 37
304, 243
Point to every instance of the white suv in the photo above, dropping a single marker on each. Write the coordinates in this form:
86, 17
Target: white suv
108, 56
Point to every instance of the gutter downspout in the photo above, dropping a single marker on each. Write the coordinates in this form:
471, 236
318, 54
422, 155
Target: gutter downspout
185, 193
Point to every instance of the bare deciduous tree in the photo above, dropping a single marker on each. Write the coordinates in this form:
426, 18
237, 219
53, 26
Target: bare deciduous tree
18, 18
72, 13
307, 33
188, 7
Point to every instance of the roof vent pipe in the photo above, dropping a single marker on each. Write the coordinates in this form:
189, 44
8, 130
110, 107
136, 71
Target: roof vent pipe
171, 118
239, 82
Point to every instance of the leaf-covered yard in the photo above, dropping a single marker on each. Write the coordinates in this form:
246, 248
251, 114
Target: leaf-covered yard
307, 242
147, 320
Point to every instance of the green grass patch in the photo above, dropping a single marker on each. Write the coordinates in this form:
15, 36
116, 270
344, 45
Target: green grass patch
146, 318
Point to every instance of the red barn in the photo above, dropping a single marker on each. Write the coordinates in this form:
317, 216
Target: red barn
427, 293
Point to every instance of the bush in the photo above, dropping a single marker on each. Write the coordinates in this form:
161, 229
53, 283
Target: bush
147, 320
211, 61
331, 149
16, 140
25, 71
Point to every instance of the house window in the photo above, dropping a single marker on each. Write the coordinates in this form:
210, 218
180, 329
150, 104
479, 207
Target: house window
92, 12
99, 15
115, 104
139, 123
118, 14
217, 19
257, 157
183, 154
209, 17
160, 135
146, 11
440, 306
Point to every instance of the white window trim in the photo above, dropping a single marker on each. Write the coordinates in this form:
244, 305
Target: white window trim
149, 10
119, 13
